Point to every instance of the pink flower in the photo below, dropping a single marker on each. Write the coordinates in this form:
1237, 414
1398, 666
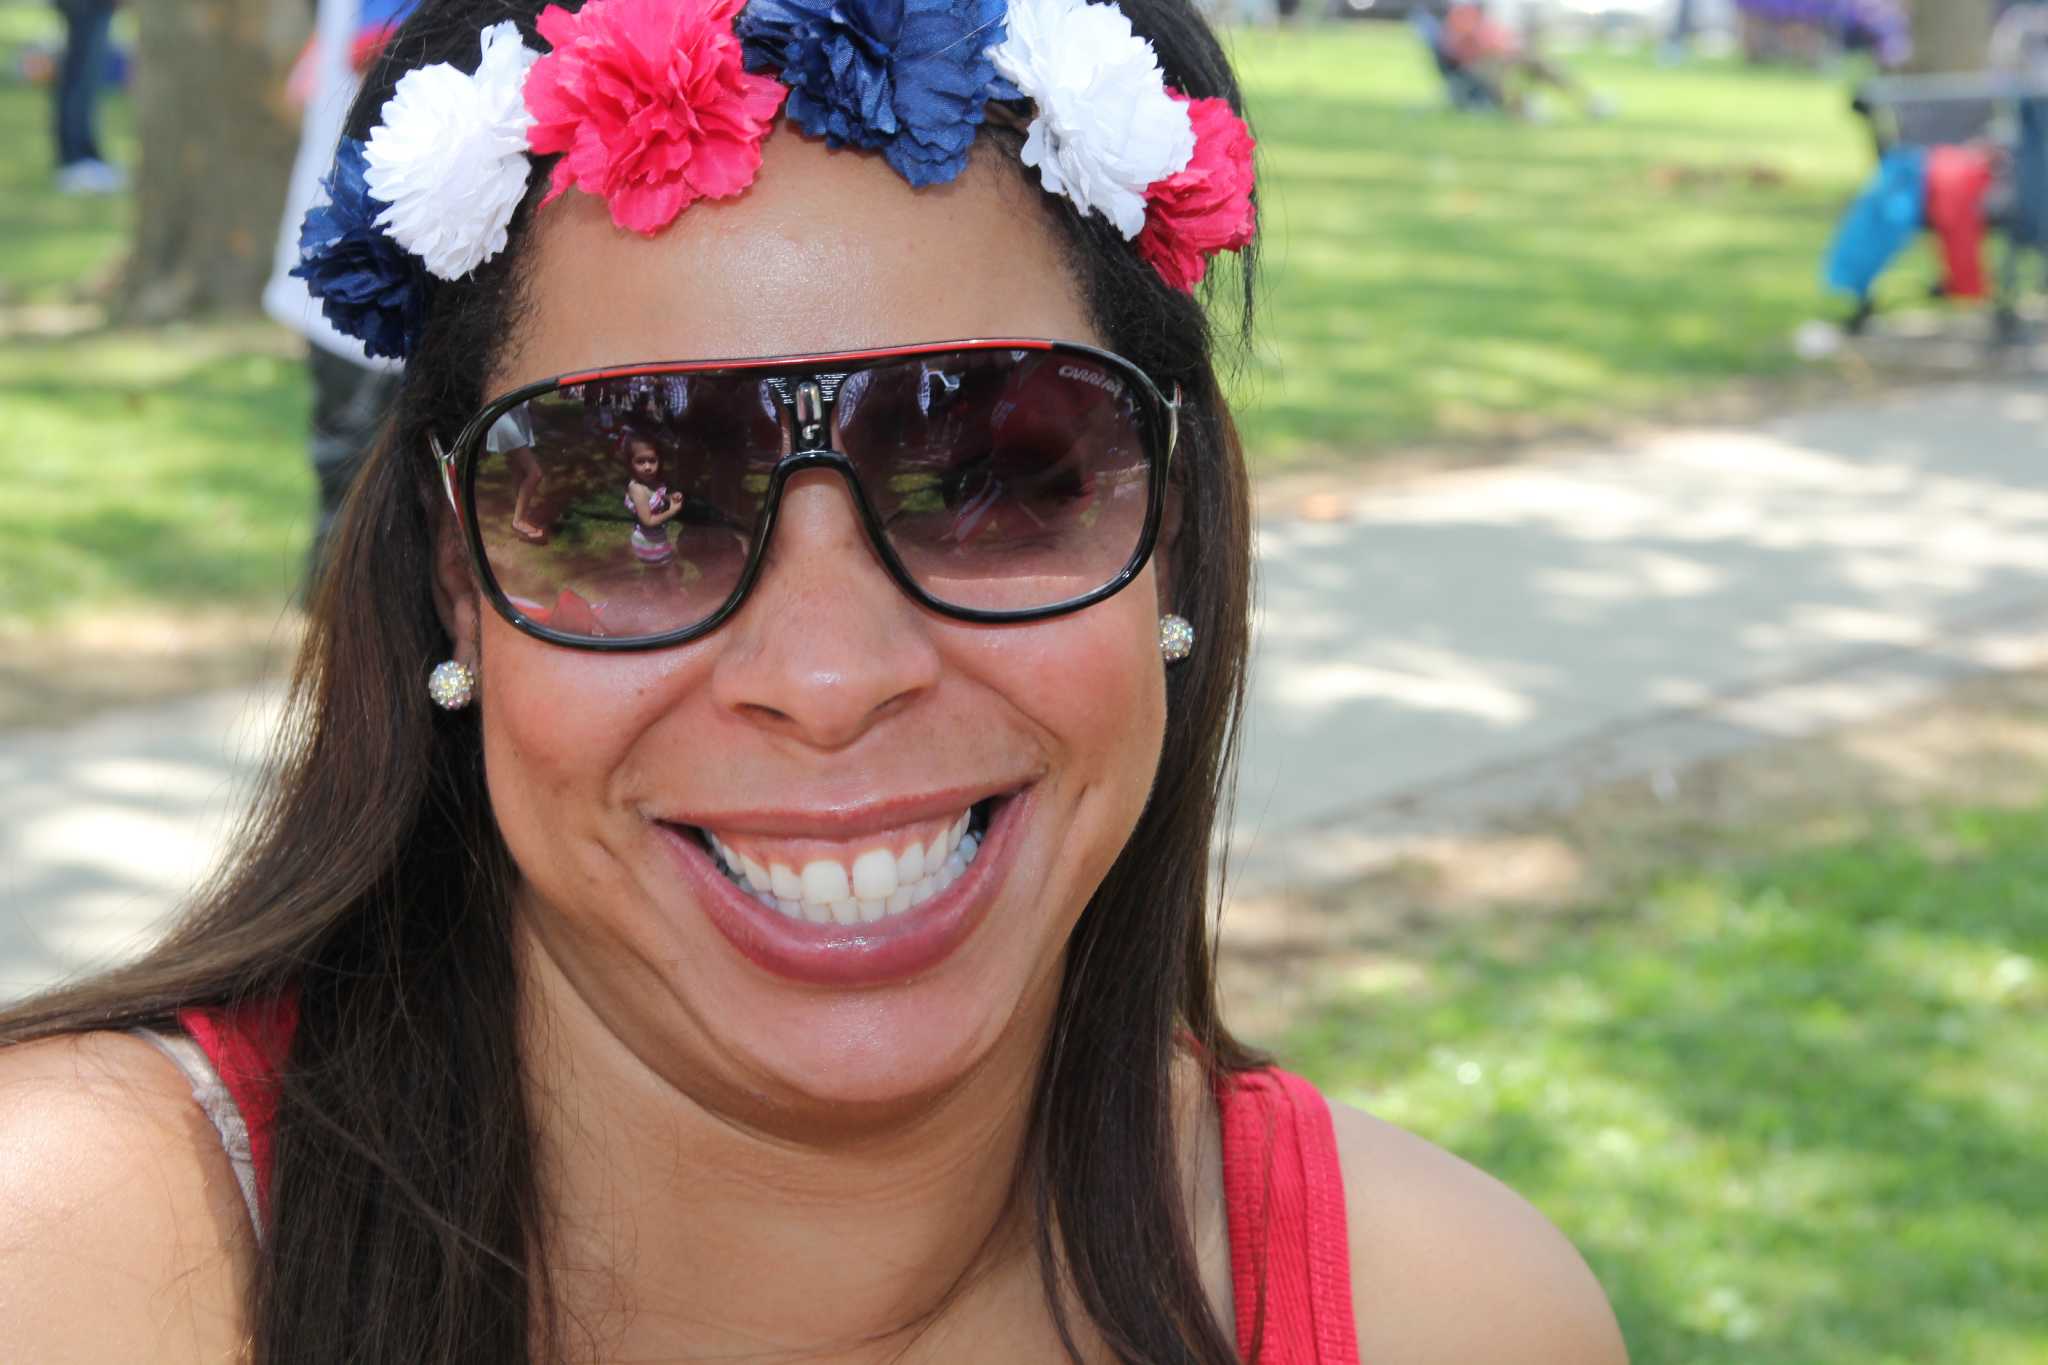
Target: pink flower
1206, 208
649, 105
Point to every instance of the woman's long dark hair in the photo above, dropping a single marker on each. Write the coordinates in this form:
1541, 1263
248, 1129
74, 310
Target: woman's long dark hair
407, 1218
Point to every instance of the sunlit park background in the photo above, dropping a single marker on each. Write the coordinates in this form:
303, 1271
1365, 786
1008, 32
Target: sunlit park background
1429, 278
1783, 1077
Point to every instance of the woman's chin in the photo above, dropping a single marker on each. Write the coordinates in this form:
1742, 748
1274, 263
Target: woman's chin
864, 1061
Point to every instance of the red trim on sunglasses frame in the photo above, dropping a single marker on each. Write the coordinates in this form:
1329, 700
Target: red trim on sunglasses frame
457, 467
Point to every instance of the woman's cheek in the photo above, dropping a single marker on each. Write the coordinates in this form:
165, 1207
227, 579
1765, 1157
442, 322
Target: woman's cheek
1095, 680
557, 725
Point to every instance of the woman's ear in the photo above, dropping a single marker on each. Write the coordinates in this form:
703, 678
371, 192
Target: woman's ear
1167, 547
457, 598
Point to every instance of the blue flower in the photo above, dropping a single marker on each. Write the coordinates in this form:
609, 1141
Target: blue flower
905, 77
368, 286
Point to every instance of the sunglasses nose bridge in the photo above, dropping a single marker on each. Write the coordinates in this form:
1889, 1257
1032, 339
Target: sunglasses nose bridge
800, 461
823, 457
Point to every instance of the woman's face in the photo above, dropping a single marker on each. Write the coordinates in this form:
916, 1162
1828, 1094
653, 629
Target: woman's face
832, 722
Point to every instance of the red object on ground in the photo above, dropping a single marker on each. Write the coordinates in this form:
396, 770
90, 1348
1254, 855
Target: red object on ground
1957, 180
1283, 1190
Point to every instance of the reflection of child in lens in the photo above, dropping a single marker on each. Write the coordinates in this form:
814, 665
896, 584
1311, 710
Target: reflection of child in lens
650, 504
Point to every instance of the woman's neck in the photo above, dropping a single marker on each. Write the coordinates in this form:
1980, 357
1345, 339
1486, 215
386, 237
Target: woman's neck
679, 1225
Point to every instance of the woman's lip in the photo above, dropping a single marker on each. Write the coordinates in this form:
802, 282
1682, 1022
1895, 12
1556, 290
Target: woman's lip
853, 955
852, 820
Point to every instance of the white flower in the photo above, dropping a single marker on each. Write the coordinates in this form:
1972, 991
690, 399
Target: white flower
449, 156
1105, 128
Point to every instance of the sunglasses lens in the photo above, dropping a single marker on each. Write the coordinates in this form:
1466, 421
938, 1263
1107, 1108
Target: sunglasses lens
1003, 480
626, 507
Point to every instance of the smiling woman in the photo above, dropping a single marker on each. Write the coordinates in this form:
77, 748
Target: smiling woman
784, 933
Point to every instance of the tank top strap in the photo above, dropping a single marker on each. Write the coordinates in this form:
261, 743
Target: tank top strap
248, 1045
1290, 1250
1290, 1246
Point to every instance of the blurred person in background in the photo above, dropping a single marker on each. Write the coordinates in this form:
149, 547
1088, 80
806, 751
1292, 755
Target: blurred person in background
1511, 62
350, 391
1685, 22
81, 169
1808, 32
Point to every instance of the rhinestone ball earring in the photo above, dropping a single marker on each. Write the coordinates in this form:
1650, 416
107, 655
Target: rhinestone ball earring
452, 684
1176, 638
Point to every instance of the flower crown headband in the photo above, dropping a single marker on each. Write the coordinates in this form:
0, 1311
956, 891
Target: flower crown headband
654, 104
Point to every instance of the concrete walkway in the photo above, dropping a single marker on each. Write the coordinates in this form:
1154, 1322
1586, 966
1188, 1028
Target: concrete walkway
1485, 641
1430, 656
105, 826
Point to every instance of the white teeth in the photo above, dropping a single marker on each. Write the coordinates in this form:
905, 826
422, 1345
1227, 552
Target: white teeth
877, 885
788, 886
825, 881
874, 875
910, 866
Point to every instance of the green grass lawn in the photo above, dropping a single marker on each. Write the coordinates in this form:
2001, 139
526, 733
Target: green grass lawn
142, 468
163, 468
1794, 1114
1428, 276
1437, 275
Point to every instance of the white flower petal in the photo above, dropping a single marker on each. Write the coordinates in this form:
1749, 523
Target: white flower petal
1105, 129
449, 156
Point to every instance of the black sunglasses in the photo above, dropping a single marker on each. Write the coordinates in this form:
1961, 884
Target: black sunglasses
631, 508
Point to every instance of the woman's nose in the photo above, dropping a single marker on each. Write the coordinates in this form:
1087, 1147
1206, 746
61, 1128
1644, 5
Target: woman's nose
826, 645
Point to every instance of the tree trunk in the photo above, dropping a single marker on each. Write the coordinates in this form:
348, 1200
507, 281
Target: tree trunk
217, 139
1951, 35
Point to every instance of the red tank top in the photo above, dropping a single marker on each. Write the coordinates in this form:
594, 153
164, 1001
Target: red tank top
1283, 1191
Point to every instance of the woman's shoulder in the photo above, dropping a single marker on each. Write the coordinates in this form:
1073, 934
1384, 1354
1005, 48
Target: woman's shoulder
1448, 1264
123, 1235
